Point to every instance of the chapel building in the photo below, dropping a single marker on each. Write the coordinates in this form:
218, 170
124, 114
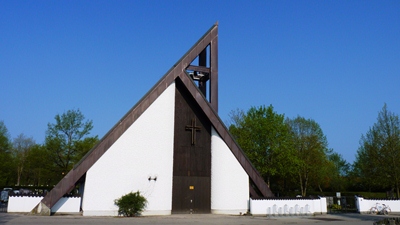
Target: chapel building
172, 147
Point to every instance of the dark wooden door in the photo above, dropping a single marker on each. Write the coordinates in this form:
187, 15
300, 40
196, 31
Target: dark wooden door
192, 156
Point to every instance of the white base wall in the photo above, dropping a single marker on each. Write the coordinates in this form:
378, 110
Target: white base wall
157, 213
229, 212
364, 205
100, 213
17, 204
144, 150
281, 207
24, 204
115, 213
229, 182
67, 205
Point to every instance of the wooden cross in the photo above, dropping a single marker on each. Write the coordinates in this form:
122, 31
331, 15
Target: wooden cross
193, 128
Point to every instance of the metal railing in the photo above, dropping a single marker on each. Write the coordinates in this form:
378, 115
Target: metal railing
343, 204
3, 207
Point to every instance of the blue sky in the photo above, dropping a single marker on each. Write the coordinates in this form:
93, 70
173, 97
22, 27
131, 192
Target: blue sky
336, 62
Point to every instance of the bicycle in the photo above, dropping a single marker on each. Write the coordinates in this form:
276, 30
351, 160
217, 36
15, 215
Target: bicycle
386, 209
380, 209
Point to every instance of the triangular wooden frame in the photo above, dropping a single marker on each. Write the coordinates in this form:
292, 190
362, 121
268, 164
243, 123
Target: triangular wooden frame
178, 71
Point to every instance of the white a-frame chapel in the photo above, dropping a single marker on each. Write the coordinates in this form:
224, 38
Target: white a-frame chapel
172, 147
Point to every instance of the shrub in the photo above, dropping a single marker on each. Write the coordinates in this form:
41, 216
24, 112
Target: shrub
131, 204
335, 207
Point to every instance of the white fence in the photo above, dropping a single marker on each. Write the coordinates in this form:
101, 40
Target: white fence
24, 204
272, 207
364, 205
286, 207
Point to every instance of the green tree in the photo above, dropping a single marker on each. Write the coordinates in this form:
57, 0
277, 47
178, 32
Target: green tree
39, 168
21, 148
366, 165
5, 156
311, 147
4, 138
378, 156
339, 172
67, 139
265, 138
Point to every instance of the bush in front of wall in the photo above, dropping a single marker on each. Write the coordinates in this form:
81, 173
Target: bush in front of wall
131, 204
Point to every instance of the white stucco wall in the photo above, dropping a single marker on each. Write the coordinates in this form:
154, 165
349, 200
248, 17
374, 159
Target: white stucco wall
279, 207
67, 205
24, 204
365, 205
18, 204
145, 149
229, 181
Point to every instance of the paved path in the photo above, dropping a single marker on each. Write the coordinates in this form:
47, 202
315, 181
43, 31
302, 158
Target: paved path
338, 219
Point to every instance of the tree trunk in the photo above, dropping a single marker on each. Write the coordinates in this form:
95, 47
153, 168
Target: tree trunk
305, 187
301, 184
19, 174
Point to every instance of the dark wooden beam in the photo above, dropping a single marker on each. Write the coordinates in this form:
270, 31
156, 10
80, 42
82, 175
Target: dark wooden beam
214, 70
202, 69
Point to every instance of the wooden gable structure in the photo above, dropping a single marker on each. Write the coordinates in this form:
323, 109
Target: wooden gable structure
193, 101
